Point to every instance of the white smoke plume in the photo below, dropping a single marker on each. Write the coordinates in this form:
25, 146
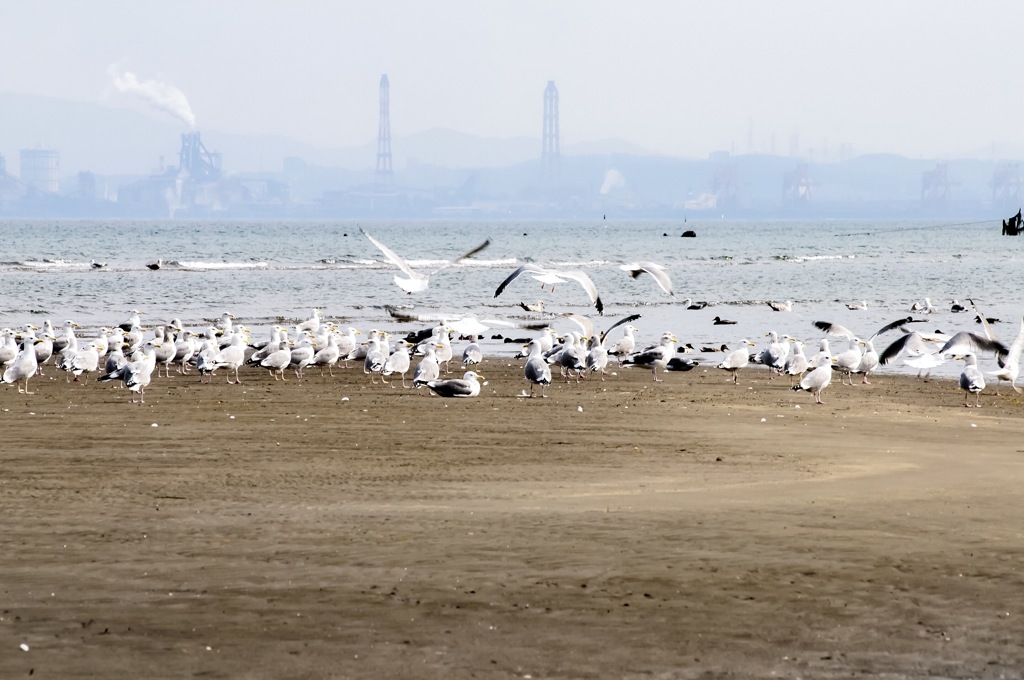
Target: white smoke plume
613, 180
160, 95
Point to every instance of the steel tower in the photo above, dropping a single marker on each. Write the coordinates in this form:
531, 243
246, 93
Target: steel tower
384, 174
550, 152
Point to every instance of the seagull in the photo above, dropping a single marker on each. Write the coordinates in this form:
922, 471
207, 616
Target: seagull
786, 306
956, 306
134, 320
428, 369
539, 307
927, 307
155, 265
736, 359
844, 332
971, 380
681, 364
232, 357
1011, 366
857, 306
690, 304
774, 355
916, 347
399, 362
536, 369
817, 380
796, 362
635, 269
625, 345
98, 265
655, 356
23, 366
575, 275
466, 386
472, 354
418, 282
312, 324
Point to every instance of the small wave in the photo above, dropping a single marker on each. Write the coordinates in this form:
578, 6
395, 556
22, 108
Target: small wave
811, 258
210, 266
488, 263
581, 263
50, 264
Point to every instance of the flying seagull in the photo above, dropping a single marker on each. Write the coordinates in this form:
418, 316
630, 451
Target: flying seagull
575, 275
418, 282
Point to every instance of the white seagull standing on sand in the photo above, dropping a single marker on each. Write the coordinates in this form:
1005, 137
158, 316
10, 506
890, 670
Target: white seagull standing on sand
971, 380
819, 378
737, 359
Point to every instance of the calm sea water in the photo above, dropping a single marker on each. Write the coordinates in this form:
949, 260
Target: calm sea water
264, 272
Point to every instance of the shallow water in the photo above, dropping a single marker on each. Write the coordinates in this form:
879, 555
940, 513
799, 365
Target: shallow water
264, 272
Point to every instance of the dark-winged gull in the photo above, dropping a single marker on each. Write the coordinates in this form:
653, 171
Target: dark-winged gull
655, 356
466, 386
577, 276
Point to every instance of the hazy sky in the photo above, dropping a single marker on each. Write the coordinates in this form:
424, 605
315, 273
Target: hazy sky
916, 77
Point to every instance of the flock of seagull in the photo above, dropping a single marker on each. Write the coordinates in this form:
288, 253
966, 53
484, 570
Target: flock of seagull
127, 354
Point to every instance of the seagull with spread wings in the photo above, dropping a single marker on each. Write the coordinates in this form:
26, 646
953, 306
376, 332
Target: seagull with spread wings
576, 275
417, 282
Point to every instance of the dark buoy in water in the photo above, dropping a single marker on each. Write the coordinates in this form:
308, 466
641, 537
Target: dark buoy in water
689, 233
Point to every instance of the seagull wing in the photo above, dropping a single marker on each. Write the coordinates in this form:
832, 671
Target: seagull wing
983, 319
635, 269
395, 258
514, 275
893, 325
909, 341
628, 319
588, 286
972, 343
835, 329
585, 324
464, 256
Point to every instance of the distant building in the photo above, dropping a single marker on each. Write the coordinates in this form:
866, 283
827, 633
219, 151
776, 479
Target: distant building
40, 170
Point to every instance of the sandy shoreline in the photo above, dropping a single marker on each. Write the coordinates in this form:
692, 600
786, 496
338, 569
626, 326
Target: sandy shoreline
685, 529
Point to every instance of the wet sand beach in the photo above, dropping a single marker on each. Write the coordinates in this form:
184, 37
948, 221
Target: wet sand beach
327, 528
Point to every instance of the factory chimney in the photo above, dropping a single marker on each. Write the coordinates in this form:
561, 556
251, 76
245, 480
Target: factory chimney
384, 173
550, 152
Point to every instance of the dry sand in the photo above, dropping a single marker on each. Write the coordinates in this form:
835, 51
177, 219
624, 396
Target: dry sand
690, 528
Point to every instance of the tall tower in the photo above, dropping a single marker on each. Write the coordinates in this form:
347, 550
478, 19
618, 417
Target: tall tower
550, 152
384, 174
